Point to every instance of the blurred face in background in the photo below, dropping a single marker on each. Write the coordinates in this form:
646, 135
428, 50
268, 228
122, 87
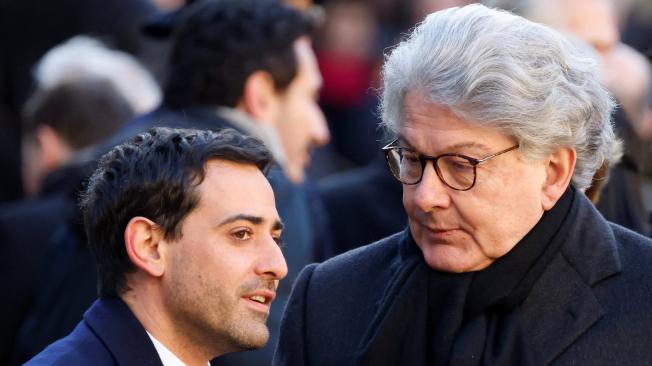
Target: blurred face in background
595, 22
41, 153
300, 122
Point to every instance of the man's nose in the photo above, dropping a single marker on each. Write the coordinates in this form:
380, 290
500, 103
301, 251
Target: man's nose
319, 129
272, 262
431, 192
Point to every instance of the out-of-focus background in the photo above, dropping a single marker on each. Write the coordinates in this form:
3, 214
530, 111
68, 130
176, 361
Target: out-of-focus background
72, 72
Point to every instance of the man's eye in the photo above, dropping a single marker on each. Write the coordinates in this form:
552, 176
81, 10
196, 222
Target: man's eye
410, 157
462, 165
279, 241
242, 234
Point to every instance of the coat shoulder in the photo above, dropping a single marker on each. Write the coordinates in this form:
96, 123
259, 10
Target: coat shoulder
333, 302
360, 264
635, 253
620, 334
81, 347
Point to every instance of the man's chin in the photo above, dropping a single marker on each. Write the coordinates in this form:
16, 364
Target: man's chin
296, 174
255, 339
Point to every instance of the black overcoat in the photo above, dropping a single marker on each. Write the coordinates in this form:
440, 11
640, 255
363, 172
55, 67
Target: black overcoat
591, 306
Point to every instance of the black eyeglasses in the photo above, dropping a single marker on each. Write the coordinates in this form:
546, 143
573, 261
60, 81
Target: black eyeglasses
456, 171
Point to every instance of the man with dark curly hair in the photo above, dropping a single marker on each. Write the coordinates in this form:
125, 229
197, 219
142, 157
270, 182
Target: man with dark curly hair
185, 233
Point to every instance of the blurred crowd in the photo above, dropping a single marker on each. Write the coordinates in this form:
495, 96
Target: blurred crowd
80, 76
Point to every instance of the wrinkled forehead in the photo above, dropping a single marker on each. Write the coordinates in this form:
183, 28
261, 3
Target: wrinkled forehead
434, 128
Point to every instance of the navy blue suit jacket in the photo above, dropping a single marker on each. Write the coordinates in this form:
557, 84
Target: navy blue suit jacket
109, 334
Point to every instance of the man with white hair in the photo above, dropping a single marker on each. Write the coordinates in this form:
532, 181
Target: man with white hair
499, 124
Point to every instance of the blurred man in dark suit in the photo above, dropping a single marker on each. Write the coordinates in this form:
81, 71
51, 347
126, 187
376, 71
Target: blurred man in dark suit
60, 123
85, 93
29, 29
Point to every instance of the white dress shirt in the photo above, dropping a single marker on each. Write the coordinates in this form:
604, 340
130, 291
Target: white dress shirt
167, 357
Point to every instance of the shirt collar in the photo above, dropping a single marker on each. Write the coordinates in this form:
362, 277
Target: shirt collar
167, 357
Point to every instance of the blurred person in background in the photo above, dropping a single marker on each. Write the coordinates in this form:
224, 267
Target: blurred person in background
79, 59
637, 30
60, 122
626, 75
30, 28
86, 92
500, 124
249, 65
82, 56
348, 54
184, 230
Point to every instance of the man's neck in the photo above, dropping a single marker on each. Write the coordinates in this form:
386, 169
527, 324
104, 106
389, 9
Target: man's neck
150, 312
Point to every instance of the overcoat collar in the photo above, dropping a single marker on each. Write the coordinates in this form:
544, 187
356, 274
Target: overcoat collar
116, 326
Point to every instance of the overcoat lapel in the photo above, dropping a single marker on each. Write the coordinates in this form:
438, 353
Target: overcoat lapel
112, 321
562, 305
560, 308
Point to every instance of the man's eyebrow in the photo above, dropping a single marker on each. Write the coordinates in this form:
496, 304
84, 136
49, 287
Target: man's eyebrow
461, 145
256, 220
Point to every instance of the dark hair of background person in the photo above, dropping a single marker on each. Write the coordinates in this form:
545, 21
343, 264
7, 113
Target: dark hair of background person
220, 43
82, 112
154, 175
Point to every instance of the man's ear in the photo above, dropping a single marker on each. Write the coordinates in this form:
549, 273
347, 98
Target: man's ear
54, 150
559, 166
142, 241
260, 98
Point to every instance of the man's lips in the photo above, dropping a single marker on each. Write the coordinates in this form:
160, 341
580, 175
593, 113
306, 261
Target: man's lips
439, 230
440, 233
260, 299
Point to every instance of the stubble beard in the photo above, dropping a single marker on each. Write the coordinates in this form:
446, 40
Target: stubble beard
217, 318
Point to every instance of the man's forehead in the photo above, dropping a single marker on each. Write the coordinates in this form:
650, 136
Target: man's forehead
445, 146
227, 181
307, 62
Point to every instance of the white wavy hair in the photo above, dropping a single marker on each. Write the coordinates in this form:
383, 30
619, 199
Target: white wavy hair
502, 71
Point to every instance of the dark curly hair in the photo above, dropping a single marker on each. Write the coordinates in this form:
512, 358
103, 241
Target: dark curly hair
220, 43
154, 175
